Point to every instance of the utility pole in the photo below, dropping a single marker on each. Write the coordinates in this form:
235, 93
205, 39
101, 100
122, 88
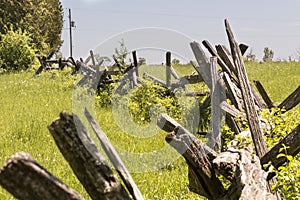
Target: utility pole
71, 25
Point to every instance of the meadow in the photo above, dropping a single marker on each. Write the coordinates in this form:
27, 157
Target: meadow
29, 103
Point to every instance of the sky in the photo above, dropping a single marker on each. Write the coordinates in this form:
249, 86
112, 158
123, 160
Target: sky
159, 25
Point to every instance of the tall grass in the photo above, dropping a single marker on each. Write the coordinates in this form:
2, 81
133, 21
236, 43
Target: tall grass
28, 104
278, 78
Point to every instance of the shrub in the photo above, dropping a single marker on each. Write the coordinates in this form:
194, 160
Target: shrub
152, 99
288, 176
16, 51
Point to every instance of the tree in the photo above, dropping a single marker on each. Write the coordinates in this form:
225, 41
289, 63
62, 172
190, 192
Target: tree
251, 56
175, 61
42, 19
106, 60
16, 51
268, 54
120, 56
142, 61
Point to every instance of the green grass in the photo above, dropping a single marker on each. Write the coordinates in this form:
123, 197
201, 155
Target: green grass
278, 78
29, 103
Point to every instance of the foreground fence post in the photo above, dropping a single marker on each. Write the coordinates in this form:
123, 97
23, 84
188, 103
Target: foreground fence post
252, 116
25, 179
114, 158
76, 145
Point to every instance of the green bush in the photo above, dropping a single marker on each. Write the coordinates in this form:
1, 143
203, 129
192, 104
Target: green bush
152, 99
288, 176
16, 51
278, 124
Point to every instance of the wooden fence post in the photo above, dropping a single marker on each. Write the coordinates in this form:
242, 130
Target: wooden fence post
203, 67
90, 167
291, 101
252, 116
92, 57
215, 136
25, 179
264, 94
114, 158
168, 69
135, 63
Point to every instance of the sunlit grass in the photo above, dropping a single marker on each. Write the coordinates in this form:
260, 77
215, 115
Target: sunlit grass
28, 105
279, 79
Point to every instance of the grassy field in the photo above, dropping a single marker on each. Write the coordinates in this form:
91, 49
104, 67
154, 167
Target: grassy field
29, 103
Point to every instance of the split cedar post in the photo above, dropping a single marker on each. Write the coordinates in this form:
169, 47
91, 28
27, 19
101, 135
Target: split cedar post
72, 61
134, 78
114, 158
216, 93
42, 61
92, 57
173, 73
198, 69
206, 103
133, 74
60, 65
167, 123
26, 179
224, 54
182, 81
87, 163
192, 79
203, 67
135, 63
99, 77
257, 99
232, 124
168, 70
243, 48
87, 72
249, 103
231, 110
117, 64
156, 80
291, 101
213, 52
252, 116
130, 76
128, 68
264, 94
232, 92
87, 60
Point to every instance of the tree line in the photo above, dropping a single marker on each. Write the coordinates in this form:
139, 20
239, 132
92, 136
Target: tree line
27, 28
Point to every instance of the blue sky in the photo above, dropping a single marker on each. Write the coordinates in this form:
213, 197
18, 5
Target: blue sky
257, 23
